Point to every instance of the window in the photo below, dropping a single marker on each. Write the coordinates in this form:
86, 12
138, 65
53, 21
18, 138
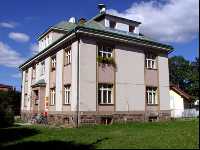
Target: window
112, 24
42, 68
52, 96
68, 57
53, 63
67, 89
150, 61
36, 97
131, 28
26, 76
151, 95
33, 74
105, 51
105, 94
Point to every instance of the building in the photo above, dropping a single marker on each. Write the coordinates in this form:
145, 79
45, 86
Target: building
180, 102
97, 71
6, 88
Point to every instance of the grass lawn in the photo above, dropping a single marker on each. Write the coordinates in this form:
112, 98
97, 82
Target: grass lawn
174, 134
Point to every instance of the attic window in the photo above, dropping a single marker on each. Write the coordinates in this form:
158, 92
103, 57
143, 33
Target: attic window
131, 28
112, 24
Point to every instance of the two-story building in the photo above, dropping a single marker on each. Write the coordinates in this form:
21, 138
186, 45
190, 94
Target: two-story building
96, 71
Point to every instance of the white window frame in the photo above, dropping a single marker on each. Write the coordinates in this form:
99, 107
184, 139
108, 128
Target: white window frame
151, 61
105, 53
42, 69
53, 62
67, 94
68, 57
105, 87
151, 93
52, 96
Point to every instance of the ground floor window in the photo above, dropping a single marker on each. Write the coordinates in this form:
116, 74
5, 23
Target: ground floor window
105, 94
151, 95
52, 96
67, 96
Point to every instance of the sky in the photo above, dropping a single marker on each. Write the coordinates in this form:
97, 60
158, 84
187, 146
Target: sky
174, 22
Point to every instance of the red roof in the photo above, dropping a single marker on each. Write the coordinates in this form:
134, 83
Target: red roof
180, 92
5, 86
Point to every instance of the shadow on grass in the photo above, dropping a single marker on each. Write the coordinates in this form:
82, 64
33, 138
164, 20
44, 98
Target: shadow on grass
60, 145
15, 133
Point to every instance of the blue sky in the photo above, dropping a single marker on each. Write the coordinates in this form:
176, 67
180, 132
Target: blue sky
21, 22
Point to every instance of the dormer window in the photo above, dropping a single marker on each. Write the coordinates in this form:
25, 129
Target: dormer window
112, 24
131, 28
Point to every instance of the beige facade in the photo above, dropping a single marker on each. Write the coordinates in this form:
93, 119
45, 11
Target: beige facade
73, 81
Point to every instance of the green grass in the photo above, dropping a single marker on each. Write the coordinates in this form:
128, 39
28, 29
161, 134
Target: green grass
173, 134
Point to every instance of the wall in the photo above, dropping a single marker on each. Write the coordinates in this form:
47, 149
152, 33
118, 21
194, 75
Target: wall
176, 104
87, 75
130, 89
164, 82
59, 80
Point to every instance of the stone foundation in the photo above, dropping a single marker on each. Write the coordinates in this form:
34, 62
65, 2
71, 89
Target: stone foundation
70, 119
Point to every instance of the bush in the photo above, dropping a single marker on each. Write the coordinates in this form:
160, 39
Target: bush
7, 108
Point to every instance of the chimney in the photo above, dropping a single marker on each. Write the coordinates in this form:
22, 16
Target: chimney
72, 20
102, 8
81, 20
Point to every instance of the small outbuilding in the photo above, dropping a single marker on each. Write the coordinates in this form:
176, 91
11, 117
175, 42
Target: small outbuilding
180, 103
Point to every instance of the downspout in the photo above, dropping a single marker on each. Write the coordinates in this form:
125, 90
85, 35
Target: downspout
77, 109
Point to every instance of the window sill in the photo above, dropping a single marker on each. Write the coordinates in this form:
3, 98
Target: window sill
106, 104
152, 104
67, 64
66, 104
151, 69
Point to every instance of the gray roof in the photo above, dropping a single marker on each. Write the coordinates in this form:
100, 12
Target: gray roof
94, 26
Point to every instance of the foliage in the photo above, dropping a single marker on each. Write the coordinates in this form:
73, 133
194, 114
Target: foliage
105, 60
157, 135
9, 106
185, 74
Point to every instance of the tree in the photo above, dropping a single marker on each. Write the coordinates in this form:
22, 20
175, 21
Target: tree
9, 106
185, 74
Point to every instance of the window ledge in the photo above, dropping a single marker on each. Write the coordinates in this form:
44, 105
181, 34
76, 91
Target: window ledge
152, 105
67, 104
151, 69
67, 64
106, 104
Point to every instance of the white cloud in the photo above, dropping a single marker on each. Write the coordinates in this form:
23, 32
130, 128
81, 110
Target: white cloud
18, 75
34, 48
7, 24
9, 57
170, 21
19, 37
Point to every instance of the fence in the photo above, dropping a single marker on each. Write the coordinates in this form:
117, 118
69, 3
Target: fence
184, 113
